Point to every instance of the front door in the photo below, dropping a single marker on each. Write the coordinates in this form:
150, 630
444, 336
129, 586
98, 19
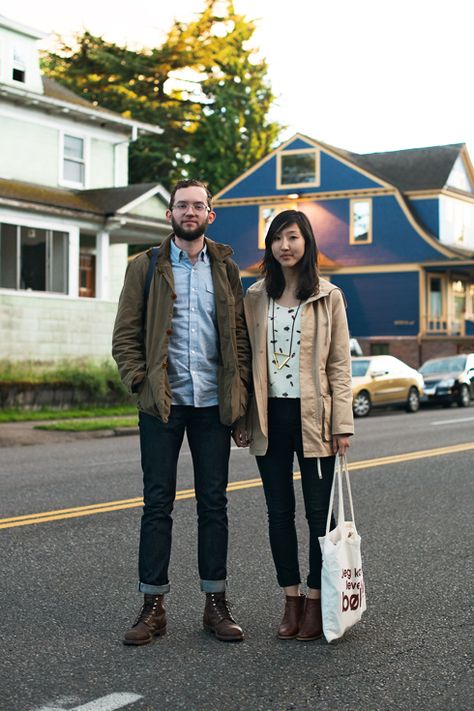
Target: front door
87, 275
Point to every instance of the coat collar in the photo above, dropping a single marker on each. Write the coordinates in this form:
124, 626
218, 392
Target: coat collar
258, 291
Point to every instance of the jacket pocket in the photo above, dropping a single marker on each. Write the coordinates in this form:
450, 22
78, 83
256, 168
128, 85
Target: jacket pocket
326, 418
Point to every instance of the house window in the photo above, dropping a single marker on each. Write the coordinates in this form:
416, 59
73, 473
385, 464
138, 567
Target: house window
459, 298
436, 306
33, 259
379, 349
74, 160
471, 301
361, 221
298, 169
266, 215
19, 67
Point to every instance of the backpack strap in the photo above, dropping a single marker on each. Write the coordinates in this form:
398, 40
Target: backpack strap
148, 280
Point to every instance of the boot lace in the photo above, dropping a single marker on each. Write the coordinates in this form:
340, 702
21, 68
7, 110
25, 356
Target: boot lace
221, 607
148, 611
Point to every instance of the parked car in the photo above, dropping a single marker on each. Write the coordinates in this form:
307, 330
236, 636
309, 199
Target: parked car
383, 381
449, 380
356, 350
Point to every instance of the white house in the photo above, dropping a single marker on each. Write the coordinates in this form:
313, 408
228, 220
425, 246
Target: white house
67, 213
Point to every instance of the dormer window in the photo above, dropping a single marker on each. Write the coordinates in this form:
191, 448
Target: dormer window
298, 169
74, 162
19, 66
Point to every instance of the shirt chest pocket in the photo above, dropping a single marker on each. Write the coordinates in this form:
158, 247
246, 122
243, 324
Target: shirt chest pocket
209, 300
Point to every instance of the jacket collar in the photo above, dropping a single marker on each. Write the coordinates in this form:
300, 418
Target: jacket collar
258, 290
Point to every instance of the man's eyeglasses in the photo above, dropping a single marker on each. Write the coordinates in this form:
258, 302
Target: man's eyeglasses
197, 206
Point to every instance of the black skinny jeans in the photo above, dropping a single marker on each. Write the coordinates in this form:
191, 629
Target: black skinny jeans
209, 442
276, 470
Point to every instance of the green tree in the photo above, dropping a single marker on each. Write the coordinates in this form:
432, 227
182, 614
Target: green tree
204, 86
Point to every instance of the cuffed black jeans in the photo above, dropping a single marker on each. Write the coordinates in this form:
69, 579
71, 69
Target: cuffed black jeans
160, 443
276, 470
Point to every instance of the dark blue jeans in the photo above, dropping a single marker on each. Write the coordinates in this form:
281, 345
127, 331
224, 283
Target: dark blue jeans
276, 470
160, 443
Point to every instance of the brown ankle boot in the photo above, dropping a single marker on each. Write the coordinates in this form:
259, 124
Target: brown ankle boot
218, 620
312, 622
151, 622
290, 624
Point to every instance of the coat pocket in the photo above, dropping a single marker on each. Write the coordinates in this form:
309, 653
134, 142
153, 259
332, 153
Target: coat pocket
327, 418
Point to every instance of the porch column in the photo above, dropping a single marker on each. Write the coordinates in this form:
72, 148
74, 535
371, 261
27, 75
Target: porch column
102, 265
73, 266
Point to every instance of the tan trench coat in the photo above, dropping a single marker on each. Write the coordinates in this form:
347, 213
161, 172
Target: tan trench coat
325, 369
144, 359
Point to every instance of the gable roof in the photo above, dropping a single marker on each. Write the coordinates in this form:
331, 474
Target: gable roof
413, 168
57, 99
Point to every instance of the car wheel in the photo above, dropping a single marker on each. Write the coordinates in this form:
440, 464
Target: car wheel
464, 396
413, 400
361, 405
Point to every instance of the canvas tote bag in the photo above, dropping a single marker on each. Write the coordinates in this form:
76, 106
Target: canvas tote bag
342, 582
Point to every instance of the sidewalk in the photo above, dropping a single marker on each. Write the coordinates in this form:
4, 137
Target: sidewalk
19, 434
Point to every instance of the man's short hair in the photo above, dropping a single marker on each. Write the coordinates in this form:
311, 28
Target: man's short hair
190, 183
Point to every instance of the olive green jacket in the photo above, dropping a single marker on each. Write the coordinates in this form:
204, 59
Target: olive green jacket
325, 370
142, 359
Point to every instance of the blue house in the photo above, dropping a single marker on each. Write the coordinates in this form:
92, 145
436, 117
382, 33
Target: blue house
395, 231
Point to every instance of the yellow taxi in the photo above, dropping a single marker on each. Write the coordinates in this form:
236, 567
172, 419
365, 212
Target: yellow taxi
381, 381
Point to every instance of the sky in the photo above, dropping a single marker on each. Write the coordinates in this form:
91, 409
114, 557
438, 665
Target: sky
364, 75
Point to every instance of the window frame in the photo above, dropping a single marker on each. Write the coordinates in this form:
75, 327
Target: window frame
352, 240
299, 151
18, 64
262, 229
49, 257
85, 160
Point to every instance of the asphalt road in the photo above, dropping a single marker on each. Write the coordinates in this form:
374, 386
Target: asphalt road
68, 585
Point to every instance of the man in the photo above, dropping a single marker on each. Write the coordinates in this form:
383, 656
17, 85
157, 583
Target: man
188, 364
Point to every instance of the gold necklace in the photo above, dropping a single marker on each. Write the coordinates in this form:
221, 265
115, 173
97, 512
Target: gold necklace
281, 359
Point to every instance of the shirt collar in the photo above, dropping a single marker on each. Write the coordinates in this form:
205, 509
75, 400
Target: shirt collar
177, 254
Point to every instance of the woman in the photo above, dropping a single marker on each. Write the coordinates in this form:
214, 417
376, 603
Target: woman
302, 402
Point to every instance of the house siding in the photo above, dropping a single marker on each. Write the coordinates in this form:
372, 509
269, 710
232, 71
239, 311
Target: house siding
29, 152
384, 304
426, 213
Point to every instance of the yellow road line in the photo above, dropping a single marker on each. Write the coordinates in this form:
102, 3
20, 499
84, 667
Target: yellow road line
122, 504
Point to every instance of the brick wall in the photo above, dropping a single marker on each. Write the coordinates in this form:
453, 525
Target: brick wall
413, 353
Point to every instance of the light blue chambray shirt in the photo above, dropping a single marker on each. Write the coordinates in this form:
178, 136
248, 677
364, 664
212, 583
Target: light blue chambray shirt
193, 353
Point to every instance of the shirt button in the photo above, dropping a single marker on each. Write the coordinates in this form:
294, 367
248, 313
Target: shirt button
169, 331
173, 296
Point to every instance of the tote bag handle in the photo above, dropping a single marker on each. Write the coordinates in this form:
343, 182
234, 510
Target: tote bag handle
340, 466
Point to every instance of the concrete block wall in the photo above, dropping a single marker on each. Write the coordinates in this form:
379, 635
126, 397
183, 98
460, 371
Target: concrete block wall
54, 327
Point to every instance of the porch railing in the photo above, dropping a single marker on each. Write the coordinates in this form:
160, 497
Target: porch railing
448, 327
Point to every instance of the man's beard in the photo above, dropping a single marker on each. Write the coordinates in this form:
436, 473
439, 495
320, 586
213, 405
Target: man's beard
189, 235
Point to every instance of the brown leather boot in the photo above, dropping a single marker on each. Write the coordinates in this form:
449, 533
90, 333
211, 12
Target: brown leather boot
218, 620
312, 622
290, 624
151, 622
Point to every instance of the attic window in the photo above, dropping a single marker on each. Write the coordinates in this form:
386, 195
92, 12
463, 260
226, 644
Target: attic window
18, 72
298, 169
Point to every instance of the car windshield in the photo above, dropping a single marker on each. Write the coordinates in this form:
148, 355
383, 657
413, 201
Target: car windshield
360, 368
444, 365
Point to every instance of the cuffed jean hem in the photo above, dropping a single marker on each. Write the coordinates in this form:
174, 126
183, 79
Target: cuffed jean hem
213, 586
153, 589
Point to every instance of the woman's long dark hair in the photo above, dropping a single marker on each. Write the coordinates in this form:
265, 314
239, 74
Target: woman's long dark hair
308, 280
